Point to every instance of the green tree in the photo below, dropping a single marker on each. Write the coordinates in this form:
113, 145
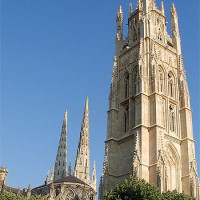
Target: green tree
138, 189
176, 196
12, 196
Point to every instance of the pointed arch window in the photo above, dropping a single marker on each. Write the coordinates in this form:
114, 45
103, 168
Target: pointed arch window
171, 118
126, 84
171, 85
126, 119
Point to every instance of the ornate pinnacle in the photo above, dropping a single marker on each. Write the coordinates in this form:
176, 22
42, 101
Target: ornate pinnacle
119, 15
94, 172
162, 8
130, 9
70, 168
52, 174
47, 178
173, 10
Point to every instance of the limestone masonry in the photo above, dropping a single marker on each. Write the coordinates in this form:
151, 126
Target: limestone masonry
149, 131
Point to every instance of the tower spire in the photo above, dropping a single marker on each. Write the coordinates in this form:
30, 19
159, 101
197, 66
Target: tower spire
61, 158
82, 165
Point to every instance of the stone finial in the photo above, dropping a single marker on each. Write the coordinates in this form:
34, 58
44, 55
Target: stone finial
70, 168
47, 178
119, 14
162, 8
130, 9
173, 10
52, 174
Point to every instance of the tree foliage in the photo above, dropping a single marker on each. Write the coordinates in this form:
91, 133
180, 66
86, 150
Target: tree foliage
141, 190
12, 196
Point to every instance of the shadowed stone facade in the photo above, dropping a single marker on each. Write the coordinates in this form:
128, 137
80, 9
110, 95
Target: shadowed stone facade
149, 132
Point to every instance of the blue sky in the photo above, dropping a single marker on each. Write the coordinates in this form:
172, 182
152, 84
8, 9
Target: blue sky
53, 54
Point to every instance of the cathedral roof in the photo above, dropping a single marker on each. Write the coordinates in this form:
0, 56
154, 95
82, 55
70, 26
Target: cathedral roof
70, 179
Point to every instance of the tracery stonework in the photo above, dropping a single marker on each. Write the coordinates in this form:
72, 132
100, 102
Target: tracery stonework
149, 131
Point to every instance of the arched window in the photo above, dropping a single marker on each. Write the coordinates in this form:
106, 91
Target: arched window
171, 85
171, 118
126, 84
126, 119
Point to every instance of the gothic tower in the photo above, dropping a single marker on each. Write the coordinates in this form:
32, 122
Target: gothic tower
149, 131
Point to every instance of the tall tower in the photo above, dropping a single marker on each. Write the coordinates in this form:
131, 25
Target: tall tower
61, 158
149, 131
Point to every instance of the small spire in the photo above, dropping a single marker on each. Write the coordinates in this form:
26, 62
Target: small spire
173, 10
70, 168
119, 14
52, 174
94, 176
94, 172
47, 178
130, 9
162, 8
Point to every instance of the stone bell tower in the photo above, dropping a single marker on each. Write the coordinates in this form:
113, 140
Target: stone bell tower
149, 131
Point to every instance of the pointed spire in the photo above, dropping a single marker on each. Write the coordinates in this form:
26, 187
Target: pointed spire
52, 174
94, 172
162, 8
173, 10
47, 178
119, 20
61, 159
70, 168
82, 164
119, 17
130, 9
94, 176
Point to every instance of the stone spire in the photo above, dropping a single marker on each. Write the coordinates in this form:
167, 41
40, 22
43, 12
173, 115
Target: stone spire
82, 165
130, 9
47, 178
61, 158
70, 168
94, 176
175, 30
52, 175
119, 21
162, 8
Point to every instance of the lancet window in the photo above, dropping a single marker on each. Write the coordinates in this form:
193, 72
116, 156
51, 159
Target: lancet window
126, 84
126, 119
171, 91
171, 118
